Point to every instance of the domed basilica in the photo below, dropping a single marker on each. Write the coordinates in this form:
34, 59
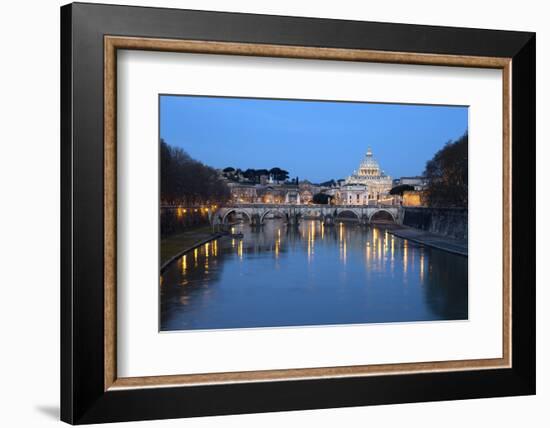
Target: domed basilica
368, 184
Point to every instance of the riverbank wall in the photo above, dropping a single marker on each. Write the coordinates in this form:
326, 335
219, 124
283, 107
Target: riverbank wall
450, 222
190, 248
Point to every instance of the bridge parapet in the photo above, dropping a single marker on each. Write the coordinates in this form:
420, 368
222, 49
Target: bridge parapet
257, 213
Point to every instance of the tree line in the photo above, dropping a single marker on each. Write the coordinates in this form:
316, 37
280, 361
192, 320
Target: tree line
447, 175
186, 181
254, 175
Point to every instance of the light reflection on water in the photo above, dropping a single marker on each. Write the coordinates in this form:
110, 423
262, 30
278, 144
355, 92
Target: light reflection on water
311, 275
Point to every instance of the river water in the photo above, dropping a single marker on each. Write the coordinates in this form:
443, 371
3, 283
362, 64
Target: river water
311, 275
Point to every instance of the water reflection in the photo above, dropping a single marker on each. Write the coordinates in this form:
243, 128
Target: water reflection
311, 275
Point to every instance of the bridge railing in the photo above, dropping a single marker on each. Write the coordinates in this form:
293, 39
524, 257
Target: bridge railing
262, 205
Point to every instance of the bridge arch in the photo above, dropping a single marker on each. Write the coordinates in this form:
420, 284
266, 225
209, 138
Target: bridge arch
382, 214
283, 214
348, 210
236, 210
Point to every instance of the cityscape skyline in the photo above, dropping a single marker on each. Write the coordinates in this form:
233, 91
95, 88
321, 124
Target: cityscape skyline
282, 253
313, 140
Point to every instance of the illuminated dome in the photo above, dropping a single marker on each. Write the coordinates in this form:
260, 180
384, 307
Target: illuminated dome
374, 183
369, 173
369, 166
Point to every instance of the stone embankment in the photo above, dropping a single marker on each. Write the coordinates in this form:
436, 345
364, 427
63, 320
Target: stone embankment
442, 228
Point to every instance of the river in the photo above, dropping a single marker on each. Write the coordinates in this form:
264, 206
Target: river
280, 275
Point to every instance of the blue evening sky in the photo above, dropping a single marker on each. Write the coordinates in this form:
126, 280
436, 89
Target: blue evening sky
314, 140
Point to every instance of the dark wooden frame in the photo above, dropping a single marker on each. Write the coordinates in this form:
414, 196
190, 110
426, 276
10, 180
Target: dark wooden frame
87, 377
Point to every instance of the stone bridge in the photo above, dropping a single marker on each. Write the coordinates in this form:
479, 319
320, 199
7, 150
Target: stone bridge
256, 214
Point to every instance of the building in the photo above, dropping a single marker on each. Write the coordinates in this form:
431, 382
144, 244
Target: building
418, 182
307, 191
353, 194
369, 174
412, 198
368, 185
243, 193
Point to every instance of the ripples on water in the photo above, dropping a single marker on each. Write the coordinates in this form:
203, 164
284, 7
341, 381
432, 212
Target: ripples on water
311, 275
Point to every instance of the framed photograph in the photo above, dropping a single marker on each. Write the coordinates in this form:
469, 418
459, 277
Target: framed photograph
266, 213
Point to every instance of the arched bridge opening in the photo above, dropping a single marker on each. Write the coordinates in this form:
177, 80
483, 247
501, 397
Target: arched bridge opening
235, 215
273, 214
382, 217
348, 215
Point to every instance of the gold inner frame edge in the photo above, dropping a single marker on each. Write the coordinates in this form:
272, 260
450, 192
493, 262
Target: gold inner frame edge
113, 43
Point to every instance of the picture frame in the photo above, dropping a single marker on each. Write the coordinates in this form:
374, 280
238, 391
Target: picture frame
91, 35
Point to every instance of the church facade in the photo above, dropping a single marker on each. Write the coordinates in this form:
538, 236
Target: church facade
367, 185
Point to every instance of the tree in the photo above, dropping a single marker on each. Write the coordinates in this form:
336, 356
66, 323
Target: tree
259, 173
184, 180
250, 174
398, 190
254, 175
278, 174
230, 173
329, 183
447, 175
321, 198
